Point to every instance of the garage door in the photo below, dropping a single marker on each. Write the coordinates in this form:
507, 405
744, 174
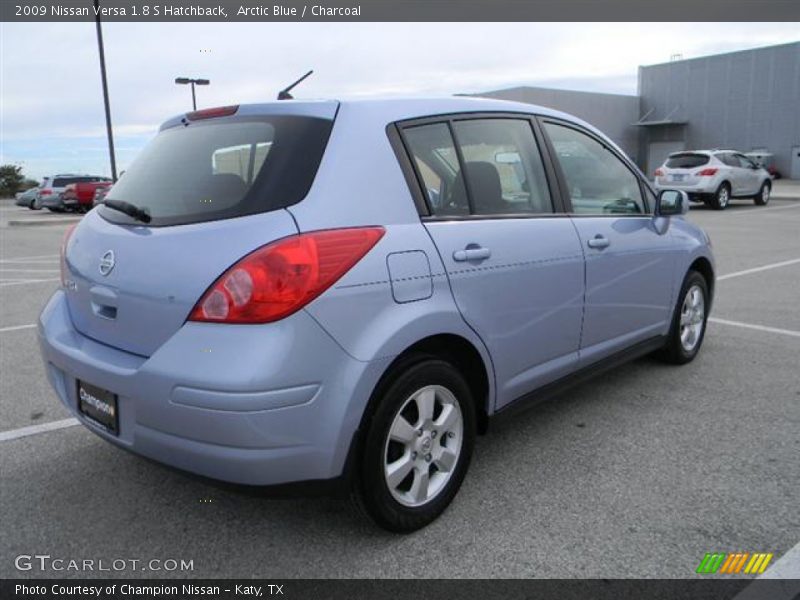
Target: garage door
796, 162
658, 153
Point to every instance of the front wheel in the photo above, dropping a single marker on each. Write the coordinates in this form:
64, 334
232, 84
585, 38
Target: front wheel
762, 198
418, 447
689, 321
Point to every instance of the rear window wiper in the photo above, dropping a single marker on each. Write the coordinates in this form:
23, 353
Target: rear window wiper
129, 209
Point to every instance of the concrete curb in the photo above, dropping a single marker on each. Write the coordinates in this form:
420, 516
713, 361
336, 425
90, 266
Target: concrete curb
39, 223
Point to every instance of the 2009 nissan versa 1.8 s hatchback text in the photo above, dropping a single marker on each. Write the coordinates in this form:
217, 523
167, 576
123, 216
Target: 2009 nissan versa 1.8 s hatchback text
347, 291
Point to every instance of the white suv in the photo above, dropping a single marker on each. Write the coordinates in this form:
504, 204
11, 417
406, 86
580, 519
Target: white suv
714, 177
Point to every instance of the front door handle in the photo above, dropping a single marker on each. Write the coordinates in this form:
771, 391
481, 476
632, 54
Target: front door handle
471, 253
599, 242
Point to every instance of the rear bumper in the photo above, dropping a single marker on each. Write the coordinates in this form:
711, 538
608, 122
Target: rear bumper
52, 202
258, 405
73, 203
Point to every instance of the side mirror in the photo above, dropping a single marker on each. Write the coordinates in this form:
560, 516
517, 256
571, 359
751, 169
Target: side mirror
672, 202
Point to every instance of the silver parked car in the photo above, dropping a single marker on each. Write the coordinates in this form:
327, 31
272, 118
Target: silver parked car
26, 198
715, 177
349, 291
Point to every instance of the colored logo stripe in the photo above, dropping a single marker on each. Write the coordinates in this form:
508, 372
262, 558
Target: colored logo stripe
711, 562
758, 563
733, 563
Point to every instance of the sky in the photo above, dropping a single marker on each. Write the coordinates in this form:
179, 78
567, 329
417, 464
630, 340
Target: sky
51, 106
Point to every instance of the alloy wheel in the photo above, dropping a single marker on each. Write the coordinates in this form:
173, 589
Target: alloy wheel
693, 312
723, 196
423, 445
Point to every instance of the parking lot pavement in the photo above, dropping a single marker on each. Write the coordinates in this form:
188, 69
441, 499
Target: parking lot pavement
637, 474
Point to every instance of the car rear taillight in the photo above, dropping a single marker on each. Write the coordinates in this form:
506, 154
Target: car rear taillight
45, 192
64, 242
707, 172
211, 113
659, 173
282, 277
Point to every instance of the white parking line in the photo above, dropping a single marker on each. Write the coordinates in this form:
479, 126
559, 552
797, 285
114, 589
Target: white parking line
17, 327
27, 258
25, 282
764, 328
759, 211
15, 434
784, 263
4, 270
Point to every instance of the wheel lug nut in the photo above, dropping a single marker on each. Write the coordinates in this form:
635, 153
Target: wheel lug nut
419, 432
428, 458
413, 456
450, 434
433, 433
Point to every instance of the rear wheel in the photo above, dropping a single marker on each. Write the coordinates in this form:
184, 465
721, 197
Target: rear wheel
762, 198
689, 321
720, 199
35, 204
417, 448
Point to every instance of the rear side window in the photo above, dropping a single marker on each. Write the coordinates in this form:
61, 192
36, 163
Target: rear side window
221, 169
501, 174
728, 159
686, 161
435, 158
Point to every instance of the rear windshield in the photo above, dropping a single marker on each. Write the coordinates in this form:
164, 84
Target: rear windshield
222, 168
686, 161
65, 181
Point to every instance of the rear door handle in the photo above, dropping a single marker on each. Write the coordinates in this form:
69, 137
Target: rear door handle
599, 242
469, 253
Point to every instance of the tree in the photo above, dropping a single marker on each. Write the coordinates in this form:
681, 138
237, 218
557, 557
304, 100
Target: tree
10, 180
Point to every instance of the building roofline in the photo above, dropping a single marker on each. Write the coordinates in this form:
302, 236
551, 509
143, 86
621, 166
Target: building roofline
551, 89
707, 56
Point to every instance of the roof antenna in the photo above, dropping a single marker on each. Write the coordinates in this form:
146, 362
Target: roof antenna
284, 93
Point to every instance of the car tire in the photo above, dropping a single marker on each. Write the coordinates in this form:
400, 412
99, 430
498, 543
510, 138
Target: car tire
417, 445
721, 198
762, 198
689, 320
35, 205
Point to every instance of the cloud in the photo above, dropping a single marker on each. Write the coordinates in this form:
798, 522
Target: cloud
51, 89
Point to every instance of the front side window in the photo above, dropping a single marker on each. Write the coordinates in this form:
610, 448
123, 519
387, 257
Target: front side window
504, 169
598, 181
745, 162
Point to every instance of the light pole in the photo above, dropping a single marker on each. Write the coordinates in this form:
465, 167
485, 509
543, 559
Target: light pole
193, 82
105, 91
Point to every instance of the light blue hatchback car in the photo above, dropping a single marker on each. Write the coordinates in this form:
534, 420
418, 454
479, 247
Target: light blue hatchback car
348, 291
